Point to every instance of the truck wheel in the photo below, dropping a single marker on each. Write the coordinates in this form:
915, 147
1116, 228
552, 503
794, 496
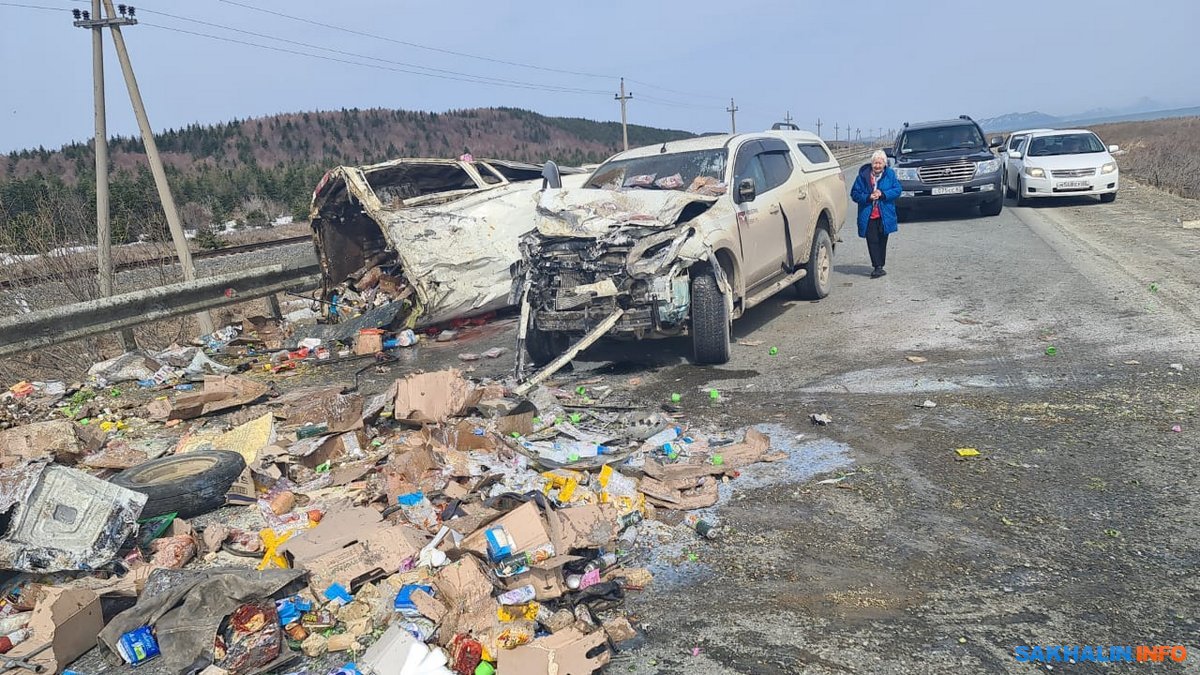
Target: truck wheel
1022, 200
190, 484
710, 322
1108, 198
815, 284
992, 208
543, 346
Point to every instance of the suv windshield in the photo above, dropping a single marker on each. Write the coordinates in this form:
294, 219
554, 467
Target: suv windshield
1064, 144
696, 171
941, 138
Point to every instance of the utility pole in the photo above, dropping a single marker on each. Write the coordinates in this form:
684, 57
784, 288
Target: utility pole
858, 134
818, 127
837, 134
787, 119
623, 97
847, 133
732, 110
203, 319
104, 267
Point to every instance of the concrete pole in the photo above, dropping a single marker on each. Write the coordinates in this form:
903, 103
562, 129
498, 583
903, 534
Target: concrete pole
203, 319
104, 263
623, 97
732, 110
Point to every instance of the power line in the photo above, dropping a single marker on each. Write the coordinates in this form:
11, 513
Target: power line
24, 6
375, 58
452, 52
471, 79
414, 44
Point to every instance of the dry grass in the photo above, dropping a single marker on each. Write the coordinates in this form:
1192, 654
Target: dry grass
1162, 153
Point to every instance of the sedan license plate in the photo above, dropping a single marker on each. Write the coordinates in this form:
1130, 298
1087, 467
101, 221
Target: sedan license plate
948, 190
1073, 184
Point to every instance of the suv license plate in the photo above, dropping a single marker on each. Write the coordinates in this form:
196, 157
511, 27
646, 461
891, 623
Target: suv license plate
948, 190
1073, 184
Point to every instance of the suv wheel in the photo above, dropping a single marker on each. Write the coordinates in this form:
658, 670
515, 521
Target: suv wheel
992, 208
710, 321
815, 284
544, 346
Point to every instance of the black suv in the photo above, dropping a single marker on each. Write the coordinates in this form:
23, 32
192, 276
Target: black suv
948, 162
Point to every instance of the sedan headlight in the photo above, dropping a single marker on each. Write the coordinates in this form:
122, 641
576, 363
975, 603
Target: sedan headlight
1034, 172
907, 174
1109, 168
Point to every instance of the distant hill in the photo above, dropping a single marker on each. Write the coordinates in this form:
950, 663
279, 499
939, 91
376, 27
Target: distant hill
1033, 120
243, 167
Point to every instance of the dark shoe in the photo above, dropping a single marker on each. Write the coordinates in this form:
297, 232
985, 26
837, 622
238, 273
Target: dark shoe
877, 272
882, 272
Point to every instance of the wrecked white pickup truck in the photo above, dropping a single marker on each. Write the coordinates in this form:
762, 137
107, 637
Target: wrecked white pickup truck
657, 239
432, 239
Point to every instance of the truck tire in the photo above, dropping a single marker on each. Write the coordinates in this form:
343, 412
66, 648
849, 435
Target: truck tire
710, 322
815, 285
543, 346
992, 208
190, 484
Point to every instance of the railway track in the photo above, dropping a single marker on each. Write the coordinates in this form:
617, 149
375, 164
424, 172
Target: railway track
157, 261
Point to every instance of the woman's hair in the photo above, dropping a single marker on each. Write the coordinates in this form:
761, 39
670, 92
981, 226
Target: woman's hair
879, 154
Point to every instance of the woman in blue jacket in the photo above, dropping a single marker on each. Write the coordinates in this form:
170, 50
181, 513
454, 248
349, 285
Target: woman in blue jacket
875, 191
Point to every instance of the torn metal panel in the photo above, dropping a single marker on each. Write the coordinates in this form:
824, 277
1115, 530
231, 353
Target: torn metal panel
445, 231
64, 519
596, 213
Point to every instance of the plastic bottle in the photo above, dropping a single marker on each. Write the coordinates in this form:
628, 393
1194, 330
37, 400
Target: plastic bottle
591, 572
627, 539
702, 527
518, 596
665, 436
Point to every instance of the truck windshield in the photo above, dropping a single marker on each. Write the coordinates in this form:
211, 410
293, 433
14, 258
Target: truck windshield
695, 171
1064, 144
941, 138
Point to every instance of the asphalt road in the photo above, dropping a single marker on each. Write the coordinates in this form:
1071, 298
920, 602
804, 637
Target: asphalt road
1075, 525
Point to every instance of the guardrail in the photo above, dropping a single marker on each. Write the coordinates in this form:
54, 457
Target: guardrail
44, 327
156, 261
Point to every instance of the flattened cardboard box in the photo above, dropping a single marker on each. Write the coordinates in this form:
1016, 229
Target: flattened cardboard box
69, 621
588, 526
563, 653
433, 397
61, 440
524, 524
335, 531
380, 553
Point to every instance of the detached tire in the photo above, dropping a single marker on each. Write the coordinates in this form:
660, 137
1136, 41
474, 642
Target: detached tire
815, 284
710, 322
190, 484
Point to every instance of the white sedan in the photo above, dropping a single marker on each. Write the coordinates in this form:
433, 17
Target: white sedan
1062, 163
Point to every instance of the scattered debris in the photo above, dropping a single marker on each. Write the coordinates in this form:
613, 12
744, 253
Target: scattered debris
1177, 366
967, 452
916, 359
750, 343
927, 404
820, 419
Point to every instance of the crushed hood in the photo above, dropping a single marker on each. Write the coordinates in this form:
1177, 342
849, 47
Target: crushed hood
592, 214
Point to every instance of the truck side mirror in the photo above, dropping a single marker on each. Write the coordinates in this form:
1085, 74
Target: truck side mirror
891, 154
996, 142
551, 178
746, 191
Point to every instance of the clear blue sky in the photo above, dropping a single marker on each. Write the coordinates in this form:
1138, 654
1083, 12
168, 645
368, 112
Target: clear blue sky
872, 64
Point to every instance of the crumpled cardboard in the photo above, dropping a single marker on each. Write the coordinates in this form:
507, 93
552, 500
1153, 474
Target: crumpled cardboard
567, 652
220, 392
378, 553
336, 530
66, 619
266, 329
313, 452
589, 526
524, 524
703, 494
322, 405
433, 397
753, 448
61, 441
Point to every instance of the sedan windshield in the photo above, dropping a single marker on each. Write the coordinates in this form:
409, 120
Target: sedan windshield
1065, 144
941, 138
701, 171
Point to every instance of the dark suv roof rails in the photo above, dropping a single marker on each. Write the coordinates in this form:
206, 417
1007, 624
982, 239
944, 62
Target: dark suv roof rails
964, 117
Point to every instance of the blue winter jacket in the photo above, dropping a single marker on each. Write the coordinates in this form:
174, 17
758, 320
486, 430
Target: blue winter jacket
861, 195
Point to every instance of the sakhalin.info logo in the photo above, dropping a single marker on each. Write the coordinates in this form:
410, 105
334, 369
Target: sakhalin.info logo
1100, 654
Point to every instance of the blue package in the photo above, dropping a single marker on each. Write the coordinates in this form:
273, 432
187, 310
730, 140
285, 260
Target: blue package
411, 499
291, 609
404, 603
499, 543
138, 646
338, 593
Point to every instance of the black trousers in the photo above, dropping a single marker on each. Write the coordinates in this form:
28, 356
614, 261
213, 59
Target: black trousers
877, 242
